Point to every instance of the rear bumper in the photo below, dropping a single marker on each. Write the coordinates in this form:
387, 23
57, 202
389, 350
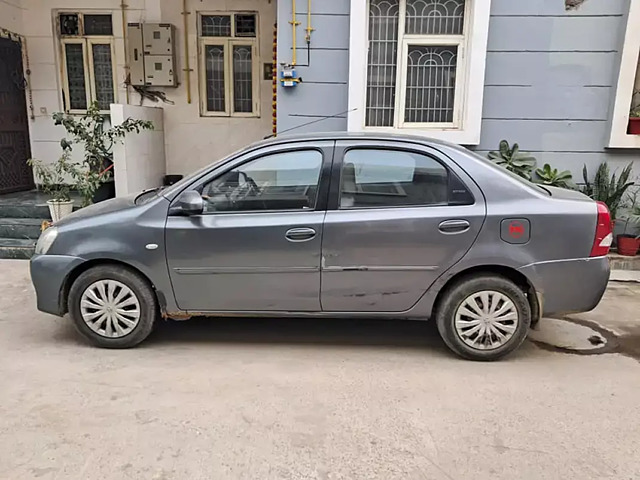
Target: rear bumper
569, 286
48, 274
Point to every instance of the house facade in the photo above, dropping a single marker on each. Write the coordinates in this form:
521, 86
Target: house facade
555, 76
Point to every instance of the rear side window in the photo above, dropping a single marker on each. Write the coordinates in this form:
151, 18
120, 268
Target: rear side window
392, 178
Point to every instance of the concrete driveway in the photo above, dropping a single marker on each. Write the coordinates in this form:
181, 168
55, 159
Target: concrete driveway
285, 399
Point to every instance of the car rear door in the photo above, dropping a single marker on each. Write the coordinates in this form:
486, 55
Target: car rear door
256, 247
399, 215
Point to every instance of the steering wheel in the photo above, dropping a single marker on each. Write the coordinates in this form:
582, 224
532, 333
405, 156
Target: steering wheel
244, 192
251, 182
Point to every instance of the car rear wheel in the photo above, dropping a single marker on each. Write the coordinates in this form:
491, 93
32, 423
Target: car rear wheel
484, 317
112, 306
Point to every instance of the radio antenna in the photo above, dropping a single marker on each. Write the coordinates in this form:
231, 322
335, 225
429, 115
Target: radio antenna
311, 122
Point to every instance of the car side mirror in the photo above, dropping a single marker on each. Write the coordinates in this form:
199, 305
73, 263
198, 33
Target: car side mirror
189, 203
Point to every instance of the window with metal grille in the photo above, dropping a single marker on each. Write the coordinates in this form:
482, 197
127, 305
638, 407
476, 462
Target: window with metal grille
216, 25
228, 64
98, 24
415, 62
87, 51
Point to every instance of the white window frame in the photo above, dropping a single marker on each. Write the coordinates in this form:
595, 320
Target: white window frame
87, 42
228, 43
629, 67
469, 90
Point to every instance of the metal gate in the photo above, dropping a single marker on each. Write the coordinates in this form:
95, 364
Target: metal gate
15, 174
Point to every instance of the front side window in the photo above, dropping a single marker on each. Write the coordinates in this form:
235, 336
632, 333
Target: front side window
392, 178
228, 50
415, 63
281, 181
87, 60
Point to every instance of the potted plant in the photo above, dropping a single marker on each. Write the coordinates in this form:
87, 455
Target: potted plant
634, 115
513, 159
628, 244
607, 188
52, 179
92, 132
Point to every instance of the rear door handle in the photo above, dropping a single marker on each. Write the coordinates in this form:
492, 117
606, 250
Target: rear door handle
454, 226
300, 234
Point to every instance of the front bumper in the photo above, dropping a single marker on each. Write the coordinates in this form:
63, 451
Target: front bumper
48, 274
569, 286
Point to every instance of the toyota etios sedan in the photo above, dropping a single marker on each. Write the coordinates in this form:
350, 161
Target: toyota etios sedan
333, 225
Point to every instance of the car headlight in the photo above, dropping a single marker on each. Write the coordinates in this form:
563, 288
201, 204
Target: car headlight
46, 240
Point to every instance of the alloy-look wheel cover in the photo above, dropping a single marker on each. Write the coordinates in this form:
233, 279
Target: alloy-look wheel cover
486, 320
110, 308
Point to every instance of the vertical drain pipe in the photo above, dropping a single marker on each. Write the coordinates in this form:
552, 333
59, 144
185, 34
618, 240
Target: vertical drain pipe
187, 68
127, 70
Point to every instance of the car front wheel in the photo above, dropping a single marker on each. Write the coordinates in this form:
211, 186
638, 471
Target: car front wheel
113, 306
484, 317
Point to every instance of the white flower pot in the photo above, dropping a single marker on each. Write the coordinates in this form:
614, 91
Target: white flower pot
59, 209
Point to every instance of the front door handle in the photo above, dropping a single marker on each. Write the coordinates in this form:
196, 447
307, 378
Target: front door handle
300, 234
454, 226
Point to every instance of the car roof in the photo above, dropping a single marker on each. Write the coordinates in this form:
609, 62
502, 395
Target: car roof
317, 136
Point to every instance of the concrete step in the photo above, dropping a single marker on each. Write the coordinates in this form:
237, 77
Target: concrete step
16, 248
622, 262
24, 210
24, 228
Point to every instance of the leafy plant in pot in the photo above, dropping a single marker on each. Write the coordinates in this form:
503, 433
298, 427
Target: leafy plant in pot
52, 179
513, 159
628, 244
607, 188
93, 133
634, 115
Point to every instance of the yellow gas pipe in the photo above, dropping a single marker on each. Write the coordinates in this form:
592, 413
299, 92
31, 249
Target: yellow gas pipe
294, 23
308, 29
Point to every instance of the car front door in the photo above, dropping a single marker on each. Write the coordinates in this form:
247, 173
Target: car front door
256, 246
398, 217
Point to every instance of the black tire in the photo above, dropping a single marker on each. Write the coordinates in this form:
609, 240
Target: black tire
138, 285
453, 298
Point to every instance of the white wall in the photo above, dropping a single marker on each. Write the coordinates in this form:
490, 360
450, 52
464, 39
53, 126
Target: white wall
139, 160
191, 141
11, 15
44, 56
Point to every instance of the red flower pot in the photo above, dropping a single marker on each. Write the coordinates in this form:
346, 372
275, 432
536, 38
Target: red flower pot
627, 245
634, 126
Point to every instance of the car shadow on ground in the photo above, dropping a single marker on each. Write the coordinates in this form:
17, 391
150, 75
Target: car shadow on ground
303, 332
299, 331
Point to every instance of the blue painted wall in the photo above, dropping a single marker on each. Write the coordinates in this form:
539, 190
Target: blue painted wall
324, 89
550, 80
550, 77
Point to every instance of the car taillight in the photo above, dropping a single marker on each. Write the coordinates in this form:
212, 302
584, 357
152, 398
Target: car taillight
604, 232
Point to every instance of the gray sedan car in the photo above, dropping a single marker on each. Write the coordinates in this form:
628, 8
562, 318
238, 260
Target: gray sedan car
333, 225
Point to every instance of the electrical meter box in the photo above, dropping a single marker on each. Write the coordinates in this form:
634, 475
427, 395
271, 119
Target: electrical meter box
152, 56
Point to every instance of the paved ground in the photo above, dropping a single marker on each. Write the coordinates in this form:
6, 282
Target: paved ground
266, 399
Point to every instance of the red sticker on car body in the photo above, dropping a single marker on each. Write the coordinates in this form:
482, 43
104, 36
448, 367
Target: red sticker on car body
516, 229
